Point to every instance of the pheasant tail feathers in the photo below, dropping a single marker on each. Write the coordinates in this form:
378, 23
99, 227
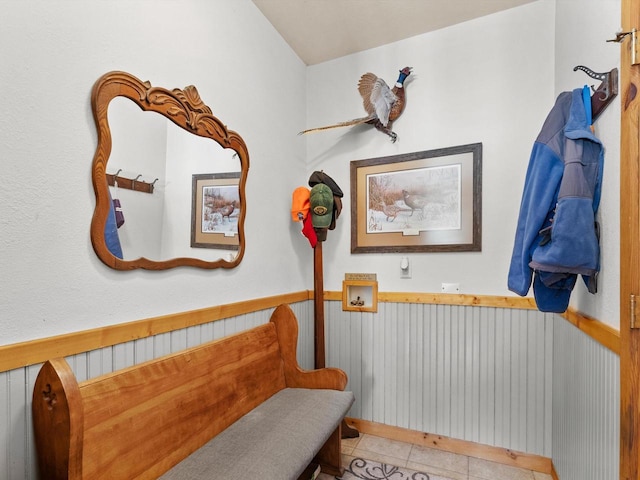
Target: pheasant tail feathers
357, 121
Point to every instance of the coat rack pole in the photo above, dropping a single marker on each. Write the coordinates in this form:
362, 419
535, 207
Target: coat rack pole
318, 306
318, 317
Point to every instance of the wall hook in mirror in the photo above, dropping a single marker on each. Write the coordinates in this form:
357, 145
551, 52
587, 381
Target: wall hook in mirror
115, 180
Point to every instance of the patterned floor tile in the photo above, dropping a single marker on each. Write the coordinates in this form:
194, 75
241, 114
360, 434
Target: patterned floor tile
429, 460
383, 446
438, 458
487, 470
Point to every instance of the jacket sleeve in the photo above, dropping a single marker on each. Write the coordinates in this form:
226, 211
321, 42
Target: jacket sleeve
541, 186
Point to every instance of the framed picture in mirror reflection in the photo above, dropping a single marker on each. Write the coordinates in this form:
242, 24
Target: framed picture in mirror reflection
215, 209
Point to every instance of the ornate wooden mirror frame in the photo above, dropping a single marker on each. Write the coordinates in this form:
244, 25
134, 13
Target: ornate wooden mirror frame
185, 109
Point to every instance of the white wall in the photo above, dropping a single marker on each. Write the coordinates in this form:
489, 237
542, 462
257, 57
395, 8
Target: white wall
51, 53
582, 29
489, 80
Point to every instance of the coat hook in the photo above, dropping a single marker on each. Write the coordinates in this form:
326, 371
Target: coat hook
154, 182
598, 76
603, 77
635, 45
619, 37
117, 173
606, 91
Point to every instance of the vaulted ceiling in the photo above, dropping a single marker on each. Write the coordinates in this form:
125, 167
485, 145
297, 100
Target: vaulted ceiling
321, 30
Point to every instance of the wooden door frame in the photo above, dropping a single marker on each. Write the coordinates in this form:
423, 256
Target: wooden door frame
629, 250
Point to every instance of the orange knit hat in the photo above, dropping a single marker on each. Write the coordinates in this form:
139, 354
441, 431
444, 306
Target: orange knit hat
300, 204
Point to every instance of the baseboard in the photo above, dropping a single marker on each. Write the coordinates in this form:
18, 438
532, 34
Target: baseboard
504, 456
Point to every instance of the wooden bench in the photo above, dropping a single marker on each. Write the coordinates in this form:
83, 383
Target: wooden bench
236, 408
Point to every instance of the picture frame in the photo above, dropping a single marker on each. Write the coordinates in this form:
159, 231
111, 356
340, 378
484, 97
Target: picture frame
429, 201
215, 208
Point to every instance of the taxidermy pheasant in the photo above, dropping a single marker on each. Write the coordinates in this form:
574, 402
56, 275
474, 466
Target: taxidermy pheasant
383, 104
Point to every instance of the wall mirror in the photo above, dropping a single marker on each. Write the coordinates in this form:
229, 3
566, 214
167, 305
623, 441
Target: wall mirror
168, 176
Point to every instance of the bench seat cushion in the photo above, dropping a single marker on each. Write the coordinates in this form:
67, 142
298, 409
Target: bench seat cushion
275, 441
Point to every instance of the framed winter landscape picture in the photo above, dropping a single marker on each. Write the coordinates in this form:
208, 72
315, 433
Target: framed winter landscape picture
215, 208
427, 201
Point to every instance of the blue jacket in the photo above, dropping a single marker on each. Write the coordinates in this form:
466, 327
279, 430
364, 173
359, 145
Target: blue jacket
557, 235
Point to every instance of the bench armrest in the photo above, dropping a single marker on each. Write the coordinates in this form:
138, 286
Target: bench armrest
295, 377
58, 421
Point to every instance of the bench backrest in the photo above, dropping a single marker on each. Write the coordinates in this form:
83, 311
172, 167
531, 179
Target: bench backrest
140, 421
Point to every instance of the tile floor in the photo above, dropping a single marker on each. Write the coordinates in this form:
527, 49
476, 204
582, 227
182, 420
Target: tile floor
429, 460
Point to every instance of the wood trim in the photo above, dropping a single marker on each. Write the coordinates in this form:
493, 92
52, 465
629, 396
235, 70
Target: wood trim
629, 248
503, 456
37, 351
525, 303
602, 333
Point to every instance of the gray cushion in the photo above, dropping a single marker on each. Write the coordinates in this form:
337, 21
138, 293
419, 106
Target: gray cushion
275, 441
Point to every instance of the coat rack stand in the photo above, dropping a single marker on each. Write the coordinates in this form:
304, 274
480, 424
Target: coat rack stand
318, 317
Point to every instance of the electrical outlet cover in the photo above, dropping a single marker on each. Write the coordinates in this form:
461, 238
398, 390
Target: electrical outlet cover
450, 288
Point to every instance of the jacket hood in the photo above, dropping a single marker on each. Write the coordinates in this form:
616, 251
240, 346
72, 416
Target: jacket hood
577, 125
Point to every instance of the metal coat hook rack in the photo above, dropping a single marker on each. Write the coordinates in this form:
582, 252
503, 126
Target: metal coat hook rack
606, 91
130, 183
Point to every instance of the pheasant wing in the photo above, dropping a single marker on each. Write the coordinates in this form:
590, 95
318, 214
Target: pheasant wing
377, 97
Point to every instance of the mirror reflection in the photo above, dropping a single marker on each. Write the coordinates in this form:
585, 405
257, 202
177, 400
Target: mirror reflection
172, 190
